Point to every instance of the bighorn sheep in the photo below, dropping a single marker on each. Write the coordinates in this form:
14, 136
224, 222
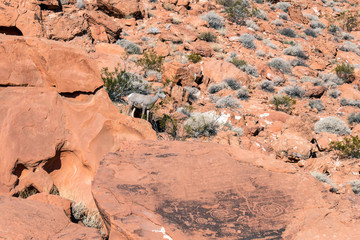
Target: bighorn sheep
144, 102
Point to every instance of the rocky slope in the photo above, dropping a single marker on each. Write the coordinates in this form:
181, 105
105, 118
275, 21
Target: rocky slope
257, 79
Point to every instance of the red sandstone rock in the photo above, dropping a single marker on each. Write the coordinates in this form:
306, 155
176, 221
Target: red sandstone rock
189, 191
295, 14
22, 219
53, 200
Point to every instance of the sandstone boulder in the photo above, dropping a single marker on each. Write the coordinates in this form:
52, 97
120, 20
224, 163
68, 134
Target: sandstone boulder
26, 219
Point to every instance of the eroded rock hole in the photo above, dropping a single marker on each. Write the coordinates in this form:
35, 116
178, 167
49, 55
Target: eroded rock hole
10, 31
27, 192
54, 163
18, 169
55, 8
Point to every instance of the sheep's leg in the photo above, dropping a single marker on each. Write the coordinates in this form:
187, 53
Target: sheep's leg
130, 108
143, 112
147, 114
133, 112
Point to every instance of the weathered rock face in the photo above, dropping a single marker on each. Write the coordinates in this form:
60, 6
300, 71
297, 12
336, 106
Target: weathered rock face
181, 190
41, 63
26, 219
56, 121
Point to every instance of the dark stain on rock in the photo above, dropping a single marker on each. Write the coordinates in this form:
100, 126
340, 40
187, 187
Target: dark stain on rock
166, 155
137, 189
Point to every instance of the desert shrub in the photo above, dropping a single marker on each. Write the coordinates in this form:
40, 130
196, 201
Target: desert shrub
237, 10
351, 21
324, 178
194, 57
330, 78
312, 17
238, 62
214, 88
260, 14
334, 93
121, 83
54, 191
64, 2
333, 29
168, 6
298, 62
280, 64
251, 24
214, 20
317, 24
278, 81
260, 53
153, 30
278, 22
294, 91
242, 93
355, 185
345, 71
331, 125
346, 36
194, 93
350, 102
153, 73
288, 32
249, 69
316, 104
268, 43
232, 83
207, 36
80, 4
283, 6
247, 41
89, 218
310, 32
267, 86
202, 124
129, 46
295, 51
228, 101
348, 147
282, 103
151, 61
273, 1
259, 1
169, 124
284, 16
315, 81
27, 192
354, 118
350, 47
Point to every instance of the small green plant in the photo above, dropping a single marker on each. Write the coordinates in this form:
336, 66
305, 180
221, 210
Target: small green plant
349, 147
351, 22
151, 61
237, 10
345, 71
238, 62
194, 57
168, 124
207, 36
120, 83
283, 103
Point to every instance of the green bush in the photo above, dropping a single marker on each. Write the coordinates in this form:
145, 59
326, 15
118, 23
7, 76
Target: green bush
194, 57
151, 61
238, 62
207, 36
237, 10
202, 124
168, 124
121, 83
349, 147
282, 103
345, 71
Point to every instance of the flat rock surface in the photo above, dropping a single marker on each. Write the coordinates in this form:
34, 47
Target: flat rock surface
203, 191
